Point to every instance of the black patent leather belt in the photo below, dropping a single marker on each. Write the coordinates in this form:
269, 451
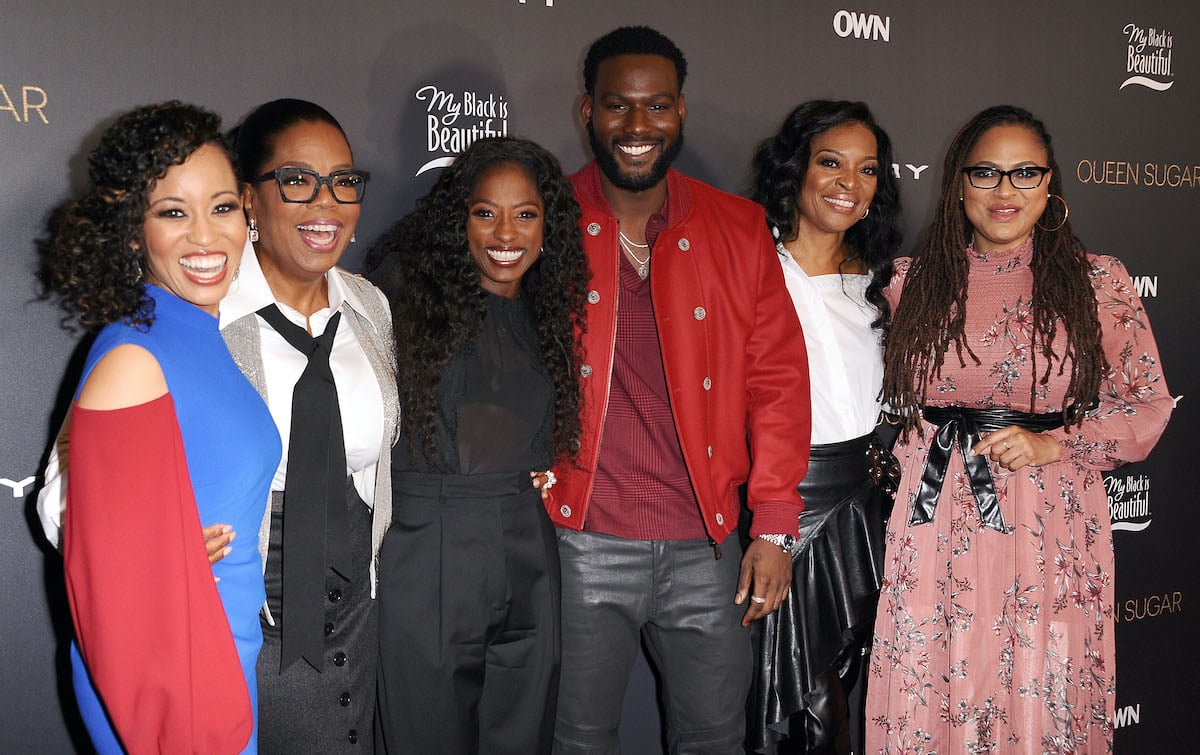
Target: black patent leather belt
966, 427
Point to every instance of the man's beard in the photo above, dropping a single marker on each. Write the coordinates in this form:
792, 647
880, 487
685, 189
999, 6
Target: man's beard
608, 164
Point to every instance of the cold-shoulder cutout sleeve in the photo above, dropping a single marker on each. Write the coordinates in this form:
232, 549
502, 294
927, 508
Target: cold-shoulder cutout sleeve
149, 622
127, 375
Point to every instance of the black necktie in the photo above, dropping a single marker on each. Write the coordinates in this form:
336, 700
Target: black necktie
315, 524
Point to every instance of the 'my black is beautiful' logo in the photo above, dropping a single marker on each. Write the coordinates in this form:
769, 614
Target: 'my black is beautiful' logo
1148, 58
1128, 501
455, 119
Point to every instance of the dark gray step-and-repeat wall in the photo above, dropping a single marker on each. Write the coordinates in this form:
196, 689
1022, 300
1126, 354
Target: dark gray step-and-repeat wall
413, 81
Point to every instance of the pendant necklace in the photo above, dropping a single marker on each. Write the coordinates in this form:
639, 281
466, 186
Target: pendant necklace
643, 266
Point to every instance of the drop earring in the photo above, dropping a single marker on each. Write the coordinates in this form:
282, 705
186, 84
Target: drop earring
253, 232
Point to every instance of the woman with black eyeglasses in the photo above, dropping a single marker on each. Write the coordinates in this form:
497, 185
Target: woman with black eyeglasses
316, 342
1023, 367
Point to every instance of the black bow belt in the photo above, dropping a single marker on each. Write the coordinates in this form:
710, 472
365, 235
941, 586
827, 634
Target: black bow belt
966, 427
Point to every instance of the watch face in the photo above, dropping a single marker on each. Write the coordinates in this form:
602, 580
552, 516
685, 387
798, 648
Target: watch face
789, 541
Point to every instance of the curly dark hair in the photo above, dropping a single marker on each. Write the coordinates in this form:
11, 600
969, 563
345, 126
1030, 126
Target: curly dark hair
93, 258
779, 169
932, 311
442, 304
631, 40
254, 138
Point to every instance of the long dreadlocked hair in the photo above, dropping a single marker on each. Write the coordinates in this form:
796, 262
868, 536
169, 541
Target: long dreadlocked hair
438, 304
932, 311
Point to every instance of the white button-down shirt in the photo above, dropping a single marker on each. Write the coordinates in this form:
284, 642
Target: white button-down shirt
845, 357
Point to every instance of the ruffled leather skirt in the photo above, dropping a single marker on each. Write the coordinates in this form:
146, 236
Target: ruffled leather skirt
837, 571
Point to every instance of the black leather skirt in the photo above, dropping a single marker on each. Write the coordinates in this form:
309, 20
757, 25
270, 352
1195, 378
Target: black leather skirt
837, 572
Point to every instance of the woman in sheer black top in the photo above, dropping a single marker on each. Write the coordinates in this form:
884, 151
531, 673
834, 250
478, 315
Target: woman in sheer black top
487, 278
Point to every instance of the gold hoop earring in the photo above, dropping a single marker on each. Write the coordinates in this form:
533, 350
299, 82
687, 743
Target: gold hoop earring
1066, 214
865, 213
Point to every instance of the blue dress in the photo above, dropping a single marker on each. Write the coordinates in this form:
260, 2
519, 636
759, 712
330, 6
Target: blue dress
232, 449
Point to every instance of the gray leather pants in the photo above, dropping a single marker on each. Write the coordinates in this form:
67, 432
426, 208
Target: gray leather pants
677, 597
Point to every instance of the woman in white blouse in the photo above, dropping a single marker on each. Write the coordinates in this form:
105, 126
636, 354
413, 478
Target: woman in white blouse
295, 322
832, 202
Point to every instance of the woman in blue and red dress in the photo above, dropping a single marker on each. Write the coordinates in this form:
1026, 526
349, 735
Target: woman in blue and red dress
166, 436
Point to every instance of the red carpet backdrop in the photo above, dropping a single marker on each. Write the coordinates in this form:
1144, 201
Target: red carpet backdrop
1116, 82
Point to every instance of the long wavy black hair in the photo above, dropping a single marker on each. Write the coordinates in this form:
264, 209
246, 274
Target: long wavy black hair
781, 165
94, 256
438, 302
932, 312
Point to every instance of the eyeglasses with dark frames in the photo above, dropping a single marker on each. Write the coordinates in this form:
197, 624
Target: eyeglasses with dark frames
301, 185
1024, 178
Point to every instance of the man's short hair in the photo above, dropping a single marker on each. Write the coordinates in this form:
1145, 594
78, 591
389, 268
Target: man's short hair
631, 40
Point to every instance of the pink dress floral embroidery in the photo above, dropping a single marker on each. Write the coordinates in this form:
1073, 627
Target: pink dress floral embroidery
998, 643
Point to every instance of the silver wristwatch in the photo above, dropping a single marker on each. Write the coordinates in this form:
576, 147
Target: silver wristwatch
787, 542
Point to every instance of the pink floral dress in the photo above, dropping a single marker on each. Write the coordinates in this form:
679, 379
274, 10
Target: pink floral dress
1003, 642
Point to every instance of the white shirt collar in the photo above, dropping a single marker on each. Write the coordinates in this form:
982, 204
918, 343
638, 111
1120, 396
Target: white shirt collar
250, 291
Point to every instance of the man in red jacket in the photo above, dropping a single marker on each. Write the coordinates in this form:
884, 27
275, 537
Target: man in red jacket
693, 364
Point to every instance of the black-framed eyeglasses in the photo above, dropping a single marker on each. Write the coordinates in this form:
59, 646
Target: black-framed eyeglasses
302, 185
1024, 178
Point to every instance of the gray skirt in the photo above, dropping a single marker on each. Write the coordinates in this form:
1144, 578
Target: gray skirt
302, 710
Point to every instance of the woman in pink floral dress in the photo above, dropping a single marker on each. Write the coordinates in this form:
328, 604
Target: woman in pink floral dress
1024, 368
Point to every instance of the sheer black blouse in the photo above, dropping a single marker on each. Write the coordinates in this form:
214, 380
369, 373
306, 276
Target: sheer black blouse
495, 401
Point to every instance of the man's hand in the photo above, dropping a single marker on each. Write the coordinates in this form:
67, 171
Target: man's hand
765, 579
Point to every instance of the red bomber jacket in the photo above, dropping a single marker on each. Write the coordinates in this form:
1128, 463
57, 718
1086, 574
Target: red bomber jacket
733, 354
